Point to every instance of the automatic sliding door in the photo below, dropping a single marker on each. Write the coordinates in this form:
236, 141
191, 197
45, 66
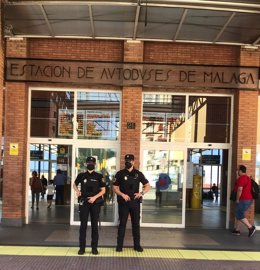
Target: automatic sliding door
165, 171
106, 165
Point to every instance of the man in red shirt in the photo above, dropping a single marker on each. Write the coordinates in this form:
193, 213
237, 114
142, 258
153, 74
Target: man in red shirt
244, 200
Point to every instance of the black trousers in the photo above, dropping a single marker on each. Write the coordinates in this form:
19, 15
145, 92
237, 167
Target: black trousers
125, 208
59, 195
84, 211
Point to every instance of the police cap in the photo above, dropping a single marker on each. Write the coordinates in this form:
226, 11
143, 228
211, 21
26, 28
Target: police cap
91, 159
129, 157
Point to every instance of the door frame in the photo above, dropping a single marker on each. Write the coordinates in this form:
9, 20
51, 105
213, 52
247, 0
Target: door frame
98, 145
167, 147
217, 146
74, 142
184, 147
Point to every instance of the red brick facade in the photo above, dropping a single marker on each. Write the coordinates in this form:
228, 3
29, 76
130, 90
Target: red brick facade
245, 107
2, 45
15, 167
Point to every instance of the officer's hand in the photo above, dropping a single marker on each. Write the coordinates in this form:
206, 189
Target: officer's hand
125, 197
91, 199
138, 195
78, 193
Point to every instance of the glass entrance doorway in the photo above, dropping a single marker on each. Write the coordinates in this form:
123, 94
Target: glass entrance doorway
106, 165
206, 188
46, 160
163, 204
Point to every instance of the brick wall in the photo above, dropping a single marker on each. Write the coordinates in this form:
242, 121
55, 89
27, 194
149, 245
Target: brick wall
1, 75
77, 49
245, 125
131, 108
180, 53
15, 182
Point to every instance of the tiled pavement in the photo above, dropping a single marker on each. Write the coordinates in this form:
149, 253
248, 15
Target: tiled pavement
43, 246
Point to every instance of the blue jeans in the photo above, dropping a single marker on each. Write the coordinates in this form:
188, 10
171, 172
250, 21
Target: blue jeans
241, 208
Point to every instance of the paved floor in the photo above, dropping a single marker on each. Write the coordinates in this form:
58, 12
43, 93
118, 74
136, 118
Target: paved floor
54, 246
38, 234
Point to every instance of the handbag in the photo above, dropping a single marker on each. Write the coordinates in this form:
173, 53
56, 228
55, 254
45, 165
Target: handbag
233, 196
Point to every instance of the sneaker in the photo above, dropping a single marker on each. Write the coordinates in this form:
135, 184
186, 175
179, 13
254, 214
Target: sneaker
138, 248
235, 232
94, 251
81, 251
251, 231
119, 249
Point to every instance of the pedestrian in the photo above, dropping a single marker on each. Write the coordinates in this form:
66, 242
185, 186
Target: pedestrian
92, 188
244, 199
126, 186
44, 184
50, 193
59, 182
214, 189
36, 188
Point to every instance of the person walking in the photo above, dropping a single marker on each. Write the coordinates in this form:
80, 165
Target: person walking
44, 184
59, 182
36, 188
126, 186
244, 199
92, 188
50, 193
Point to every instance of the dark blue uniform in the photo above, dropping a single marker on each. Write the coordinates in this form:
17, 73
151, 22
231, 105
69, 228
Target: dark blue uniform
128, 183
91, 184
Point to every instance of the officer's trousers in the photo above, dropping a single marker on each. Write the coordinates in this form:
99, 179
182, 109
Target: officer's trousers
84, 211
125, 208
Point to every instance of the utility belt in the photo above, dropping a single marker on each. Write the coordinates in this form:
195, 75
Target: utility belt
85, 200
132, 199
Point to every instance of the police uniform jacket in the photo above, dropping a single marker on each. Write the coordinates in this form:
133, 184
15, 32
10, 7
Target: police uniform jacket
129, 182
91, 183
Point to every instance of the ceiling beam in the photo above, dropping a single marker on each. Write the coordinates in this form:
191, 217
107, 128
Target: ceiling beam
91, 19
184, 14
47, 20
257, 41
224, 27
137, 13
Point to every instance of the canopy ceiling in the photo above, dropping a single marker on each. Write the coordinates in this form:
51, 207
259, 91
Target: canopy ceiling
234, 22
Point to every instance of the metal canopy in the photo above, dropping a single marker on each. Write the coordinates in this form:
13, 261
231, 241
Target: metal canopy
234, 22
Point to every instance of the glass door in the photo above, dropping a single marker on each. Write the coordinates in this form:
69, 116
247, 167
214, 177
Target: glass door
206, 188
46, 160
163, 204
106, 165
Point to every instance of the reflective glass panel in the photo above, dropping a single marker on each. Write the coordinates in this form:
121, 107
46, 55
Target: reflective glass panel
209, 119
106, 165
98, 115
52, 114
163, 118
164, 170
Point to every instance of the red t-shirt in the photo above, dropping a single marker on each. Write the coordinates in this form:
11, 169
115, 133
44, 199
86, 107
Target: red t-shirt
245, 182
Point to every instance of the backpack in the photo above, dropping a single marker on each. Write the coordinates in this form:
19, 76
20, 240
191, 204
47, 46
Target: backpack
254, 189
164, 181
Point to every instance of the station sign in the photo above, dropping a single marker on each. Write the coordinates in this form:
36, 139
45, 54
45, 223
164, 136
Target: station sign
131, 74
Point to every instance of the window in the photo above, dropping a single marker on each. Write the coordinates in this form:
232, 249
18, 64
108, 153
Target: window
52, 114
98, 115
209, 119
163, 118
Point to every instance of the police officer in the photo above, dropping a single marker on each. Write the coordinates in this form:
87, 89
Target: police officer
126, 186
92, 188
